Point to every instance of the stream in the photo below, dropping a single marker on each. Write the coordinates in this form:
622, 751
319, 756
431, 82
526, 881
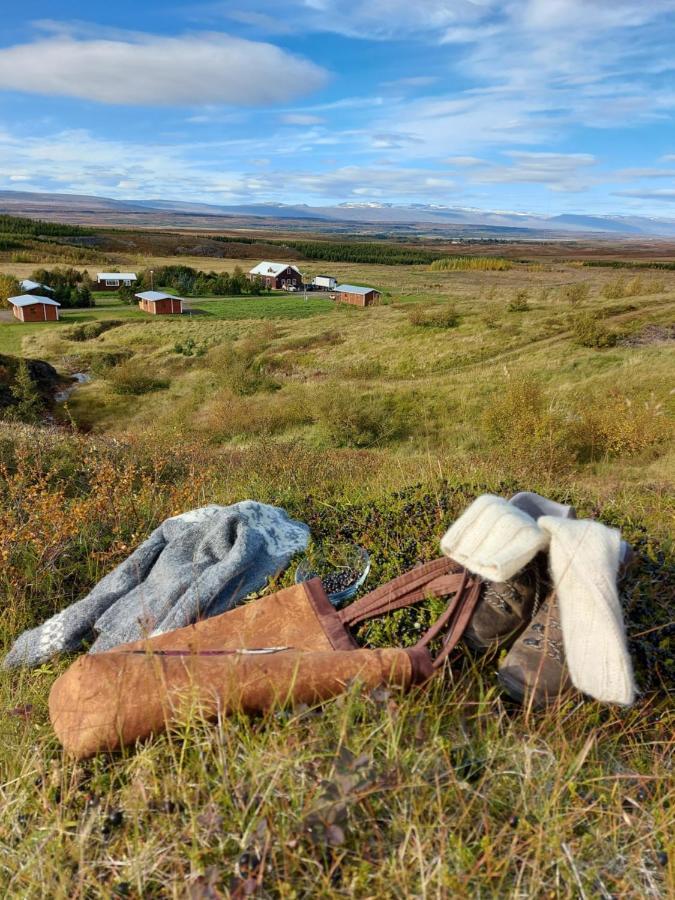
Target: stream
78, 379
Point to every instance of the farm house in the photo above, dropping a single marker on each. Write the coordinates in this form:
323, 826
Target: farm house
159, 304
356, 295
110, 281
30, 308
277, 276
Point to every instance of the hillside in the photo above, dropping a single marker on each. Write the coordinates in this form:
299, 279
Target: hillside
376, 426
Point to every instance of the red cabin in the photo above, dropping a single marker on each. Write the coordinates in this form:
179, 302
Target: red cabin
159, 304
30, 308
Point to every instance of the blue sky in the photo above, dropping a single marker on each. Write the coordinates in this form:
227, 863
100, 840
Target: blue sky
546, 106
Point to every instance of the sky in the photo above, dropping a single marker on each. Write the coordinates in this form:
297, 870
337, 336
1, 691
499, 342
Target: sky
542, 106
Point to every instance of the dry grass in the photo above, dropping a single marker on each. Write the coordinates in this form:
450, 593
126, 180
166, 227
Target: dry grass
381, 431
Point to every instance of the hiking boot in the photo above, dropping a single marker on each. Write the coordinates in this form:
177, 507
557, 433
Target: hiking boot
505, 608
534, 668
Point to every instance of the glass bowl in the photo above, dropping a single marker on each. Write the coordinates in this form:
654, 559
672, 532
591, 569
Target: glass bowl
342, 569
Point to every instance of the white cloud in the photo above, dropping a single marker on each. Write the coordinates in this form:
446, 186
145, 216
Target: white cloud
301, 119
154, 70
558, 171
665, 195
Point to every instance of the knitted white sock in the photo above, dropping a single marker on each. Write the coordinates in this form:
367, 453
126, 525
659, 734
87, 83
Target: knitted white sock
584, 559
496, 539
493, 538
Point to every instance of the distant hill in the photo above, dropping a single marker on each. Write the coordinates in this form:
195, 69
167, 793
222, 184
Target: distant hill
84, 209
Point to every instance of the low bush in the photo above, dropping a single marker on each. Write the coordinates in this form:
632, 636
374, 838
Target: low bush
348, 418
619, 426
527, 430
634, 287
491, 315
471, 264
577, 293
590, 332
133, 378
520, 302
242, 367
435, 317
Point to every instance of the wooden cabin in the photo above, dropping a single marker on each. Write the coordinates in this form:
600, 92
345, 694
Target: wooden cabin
31, 308
356, 295
159, 304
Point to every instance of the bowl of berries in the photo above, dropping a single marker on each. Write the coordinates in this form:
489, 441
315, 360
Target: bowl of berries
342, 568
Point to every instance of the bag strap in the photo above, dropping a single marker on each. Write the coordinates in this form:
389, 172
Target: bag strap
439, 578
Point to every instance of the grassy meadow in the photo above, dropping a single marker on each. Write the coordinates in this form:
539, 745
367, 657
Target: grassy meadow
377, 426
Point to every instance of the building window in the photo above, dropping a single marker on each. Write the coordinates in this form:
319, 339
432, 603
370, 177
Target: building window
112, 282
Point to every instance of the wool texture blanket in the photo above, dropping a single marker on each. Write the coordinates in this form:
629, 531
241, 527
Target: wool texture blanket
193, 566
495, 539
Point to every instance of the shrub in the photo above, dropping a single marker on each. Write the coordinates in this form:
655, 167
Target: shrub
491, 315
621, 287
351, 419
519, 302
527, 432
190, 347
619, 426
102, 363
133, 378
437, 317
9, 287
471, 263
590, 332
242, 368
577, 293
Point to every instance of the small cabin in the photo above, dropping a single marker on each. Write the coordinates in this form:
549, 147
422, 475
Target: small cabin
277, 276
356, 295
111, 281
159, 304
34, 287
32, 308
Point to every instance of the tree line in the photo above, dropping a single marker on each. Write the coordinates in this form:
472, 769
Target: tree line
18, 225
189, 282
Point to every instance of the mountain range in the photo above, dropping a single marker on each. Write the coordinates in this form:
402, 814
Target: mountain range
74, 207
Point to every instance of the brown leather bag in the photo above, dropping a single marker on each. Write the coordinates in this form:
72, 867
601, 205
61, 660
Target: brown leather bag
287, 647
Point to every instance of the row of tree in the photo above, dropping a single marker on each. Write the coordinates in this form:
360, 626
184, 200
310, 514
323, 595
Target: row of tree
189, 282
18, 225
70, 287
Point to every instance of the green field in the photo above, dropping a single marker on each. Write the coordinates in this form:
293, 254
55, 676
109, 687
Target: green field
376, 426
277, 306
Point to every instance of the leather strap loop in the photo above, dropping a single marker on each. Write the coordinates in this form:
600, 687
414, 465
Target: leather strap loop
437, 578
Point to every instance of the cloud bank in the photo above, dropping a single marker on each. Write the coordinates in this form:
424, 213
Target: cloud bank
151, 70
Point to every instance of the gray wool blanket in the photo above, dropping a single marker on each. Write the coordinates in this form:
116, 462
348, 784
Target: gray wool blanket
195, 565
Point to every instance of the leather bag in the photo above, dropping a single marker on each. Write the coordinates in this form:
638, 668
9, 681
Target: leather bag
289, 647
